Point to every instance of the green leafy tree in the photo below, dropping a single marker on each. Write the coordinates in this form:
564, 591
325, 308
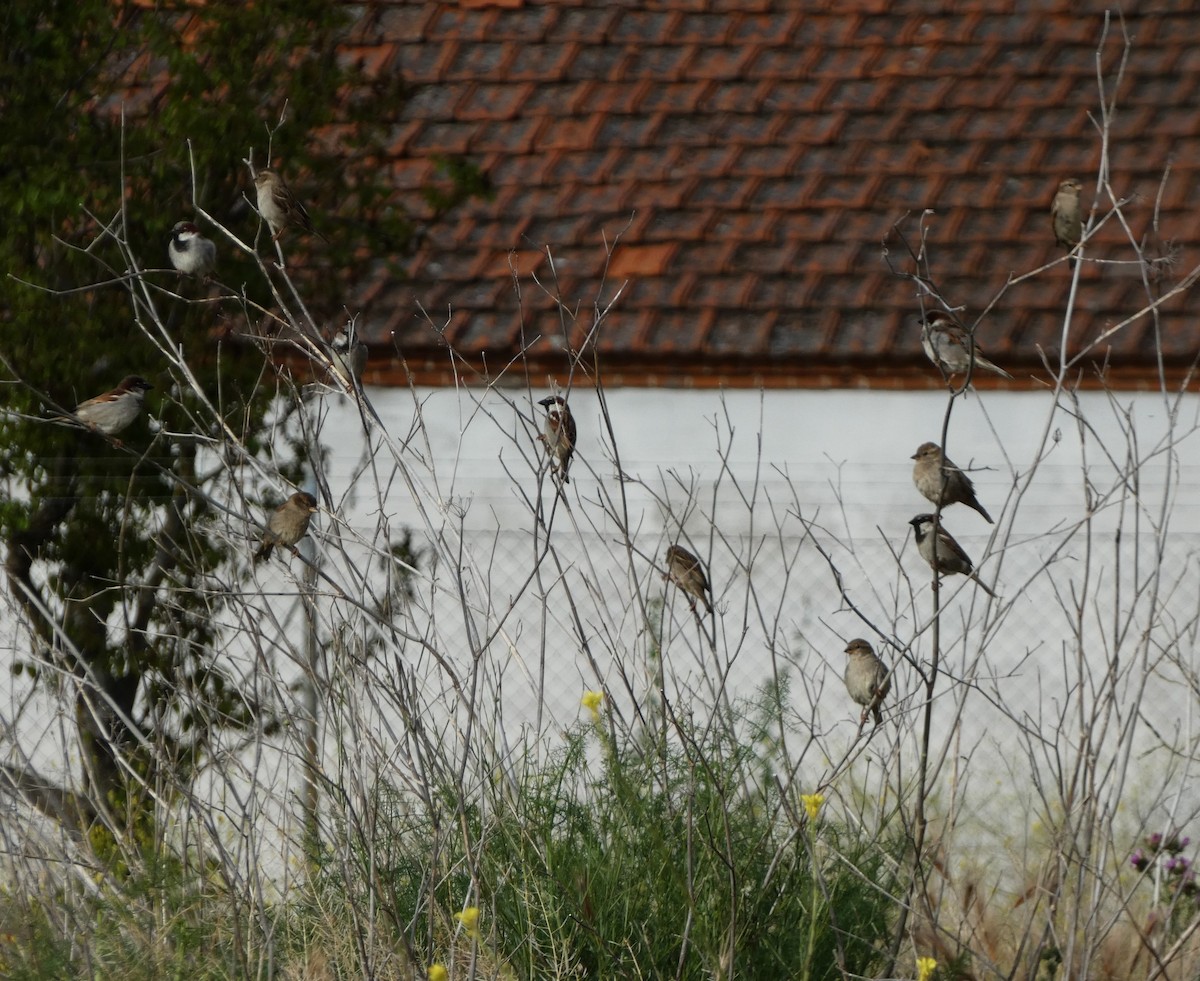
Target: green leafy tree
121, 119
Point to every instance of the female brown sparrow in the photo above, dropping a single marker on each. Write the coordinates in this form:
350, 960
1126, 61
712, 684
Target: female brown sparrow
950, 558
932, 468
190, 252
948, 346
685, 570
1066, 215
288, 524
558, 433
867, 679
349, 353
115, 410
279, 206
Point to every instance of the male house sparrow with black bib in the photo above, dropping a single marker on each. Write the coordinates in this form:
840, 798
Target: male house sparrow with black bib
950, 558
558, 433
685, 570
1066, 215
349, 353
288, 524
190, 252
866, 678
948, 346
932, 468
279, 206
113, 411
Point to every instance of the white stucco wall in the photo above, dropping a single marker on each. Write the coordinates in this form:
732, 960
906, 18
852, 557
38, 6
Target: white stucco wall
846, 455
1016, 691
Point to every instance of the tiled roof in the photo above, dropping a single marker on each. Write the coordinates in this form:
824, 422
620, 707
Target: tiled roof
748, 164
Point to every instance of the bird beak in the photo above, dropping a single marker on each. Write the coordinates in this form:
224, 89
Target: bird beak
914, 456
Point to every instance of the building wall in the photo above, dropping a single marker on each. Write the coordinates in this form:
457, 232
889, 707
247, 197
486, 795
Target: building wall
763, 486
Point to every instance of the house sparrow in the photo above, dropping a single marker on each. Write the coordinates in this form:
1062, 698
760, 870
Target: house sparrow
1065, 214
115, 410
931, 468
950, 556
190, 252
685, 570
279, 206
288, 524
349, 353
866, 678
948, 345
558, 433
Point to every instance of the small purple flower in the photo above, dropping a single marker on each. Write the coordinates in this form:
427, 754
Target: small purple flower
1154, 841
1179, 865
1175, 844
1139, 861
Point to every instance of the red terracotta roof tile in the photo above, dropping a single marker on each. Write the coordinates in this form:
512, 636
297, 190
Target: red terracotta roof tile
641, 260
734, 332
398, 22
752, 161
599, 97
421, 62
675, 332
670, 97
491, 3
643, 26
785, 65
541, 62
440, 139
494, 102
586, 24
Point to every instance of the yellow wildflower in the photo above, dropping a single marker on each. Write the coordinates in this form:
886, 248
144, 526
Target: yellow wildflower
438, 973
812, 804
925, 968
592, 701
469, 918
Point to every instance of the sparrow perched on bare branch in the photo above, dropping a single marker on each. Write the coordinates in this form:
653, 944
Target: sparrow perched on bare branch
190, 252
866, 678
1066, 214
349, 353
288, 524
558, 433
279, 206
685, 570
950, 558
940, 481
948, 345
113, 411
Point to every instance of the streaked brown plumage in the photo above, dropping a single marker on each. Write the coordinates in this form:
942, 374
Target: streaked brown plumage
1066, 215
288, 524
950, 556
948, 345
113, 411
279, 206
685, 570
558, 433
928, 476
866, 678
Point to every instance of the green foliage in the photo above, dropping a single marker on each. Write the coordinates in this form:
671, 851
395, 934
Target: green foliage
463, 179
165, 921
107, 109
617, 878
606, 862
